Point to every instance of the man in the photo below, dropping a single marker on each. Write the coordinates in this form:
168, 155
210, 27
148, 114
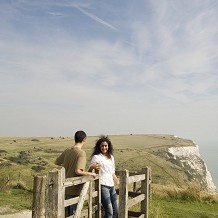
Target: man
73, 159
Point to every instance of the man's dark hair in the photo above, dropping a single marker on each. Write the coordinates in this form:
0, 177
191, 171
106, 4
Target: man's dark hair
79, 136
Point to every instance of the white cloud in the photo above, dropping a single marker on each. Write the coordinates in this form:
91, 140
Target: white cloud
162, 81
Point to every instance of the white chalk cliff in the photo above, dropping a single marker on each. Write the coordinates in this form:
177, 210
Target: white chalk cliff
196, 169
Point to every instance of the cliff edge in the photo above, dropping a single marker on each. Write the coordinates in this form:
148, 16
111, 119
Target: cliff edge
195, 167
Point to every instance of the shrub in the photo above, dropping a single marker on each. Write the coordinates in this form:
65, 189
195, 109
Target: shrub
35, 140
20, 185
5, 184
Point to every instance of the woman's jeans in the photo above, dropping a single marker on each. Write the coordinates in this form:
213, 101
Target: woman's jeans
109, 201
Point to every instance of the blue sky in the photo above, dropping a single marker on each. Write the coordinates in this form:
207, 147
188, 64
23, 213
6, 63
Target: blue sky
109, 67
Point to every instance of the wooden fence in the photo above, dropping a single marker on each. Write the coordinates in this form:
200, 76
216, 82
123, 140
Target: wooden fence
49, 195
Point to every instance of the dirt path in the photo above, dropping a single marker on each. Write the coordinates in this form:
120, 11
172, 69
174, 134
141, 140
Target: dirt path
23, 214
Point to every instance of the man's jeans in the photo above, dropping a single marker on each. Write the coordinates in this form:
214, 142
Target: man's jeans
109, 201
70, 210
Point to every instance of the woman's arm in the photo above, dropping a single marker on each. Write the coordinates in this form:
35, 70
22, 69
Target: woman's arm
116, 180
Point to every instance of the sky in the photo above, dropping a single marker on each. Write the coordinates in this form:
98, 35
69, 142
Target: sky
109, 67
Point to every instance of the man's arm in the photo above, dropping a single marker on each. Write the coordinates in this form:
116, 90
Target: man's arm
80, 172
94, 164
81, 164
60, 159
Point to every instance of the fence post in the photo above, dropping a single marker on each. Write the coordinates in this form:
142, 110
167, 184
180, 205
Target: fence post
150, 191
90, 200
134, 187
145, 190
55, 194
123, 194
38, 205
98, 198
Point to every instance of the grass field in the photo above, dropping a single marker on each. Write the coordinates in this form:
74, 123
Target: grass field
23, 157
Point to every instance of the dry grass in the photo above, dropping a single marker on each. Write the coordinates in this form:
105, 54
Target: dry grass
192, 192
23, 157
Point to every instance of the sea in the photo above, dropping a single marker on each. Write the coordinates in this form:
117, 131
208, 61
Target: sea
209, 153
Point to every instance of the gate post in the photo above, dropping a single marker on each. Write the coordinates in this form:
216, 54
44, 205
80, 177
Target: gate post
55, 194
38, 205
145, 190
123, 194
90, 200
98, 198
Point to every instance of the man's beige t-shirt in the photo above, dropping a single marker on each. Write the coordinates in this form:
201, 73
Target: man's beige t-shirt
72, 159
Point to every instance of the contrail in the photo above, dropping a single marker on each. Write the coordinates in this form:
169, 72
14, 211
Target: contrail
55, 14
96, 18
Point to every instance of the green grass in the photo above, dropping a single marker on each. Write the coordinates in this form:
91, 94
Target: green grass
171, 208
15, 200
171, 201
183, 209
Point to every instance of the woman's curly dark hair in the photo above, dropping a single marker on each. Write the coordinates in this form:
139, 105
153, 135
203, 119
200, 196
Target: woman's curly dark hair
97, 148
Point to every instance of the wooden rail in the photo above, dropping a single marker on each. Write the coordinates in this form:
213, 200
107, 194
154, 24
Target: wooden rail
49, 195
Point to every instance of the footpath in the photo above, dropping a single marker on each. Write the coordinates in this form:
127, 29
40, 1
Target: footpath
23, 214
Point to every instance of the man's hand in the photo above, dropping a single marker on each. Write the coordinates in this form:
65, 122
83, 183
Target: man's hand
92, 174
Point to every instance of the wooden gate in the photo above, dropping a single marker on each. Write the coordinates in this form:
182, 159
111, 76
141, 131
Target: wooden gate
128, 199
49, 195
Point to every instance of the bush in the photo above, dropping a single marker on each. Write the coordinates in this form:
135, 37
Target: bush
20, 185
5, 184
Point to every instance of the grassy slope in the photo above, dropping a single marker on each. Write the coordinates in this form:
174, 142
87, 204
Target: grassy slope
182, 209
132, 152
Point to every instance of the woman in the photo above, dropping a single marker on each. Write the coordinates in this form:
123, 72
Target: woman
102, 159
